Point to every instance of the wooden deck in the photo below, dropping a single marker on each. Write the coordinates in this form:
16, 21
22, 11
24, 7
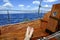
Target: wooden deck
17, 31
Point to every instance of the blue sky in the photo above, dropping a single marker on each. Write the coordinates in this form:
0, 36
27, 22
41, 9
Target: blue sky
26, 4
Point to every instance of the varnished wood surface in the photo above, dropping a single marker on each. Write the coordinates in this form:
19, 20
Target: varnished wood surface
53, 22
17, 31
20, 32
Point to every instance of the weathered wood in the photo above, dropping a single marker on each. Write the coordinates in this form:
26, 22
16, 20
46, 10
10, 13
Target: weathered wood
54, 18
17, 31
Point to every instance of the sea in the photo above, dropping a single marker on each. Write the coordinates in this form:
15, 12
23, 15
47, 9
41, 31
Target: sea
18, 17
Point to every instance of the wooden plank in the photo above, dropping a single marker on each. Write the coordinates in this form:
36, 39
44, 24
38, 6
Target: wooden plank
54, 18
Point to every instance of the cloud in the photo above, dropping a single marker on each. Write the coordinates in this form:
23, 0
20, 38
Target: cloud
1, 7
49, 0
21, 5
36, 2
5, 0
35, 8
8, 5
28, 6
45, 9
48, 5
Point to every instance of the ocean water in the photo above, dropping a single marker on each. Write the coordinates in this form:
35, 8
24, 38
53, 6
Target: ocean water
17, 18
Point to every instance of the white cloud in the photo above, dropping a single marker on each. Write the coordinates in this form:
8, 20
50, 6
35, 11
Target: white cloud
8, 5
35, 8
49, 0
36, 2
21, 5
28, 6
45, 9
5, 0
48, 5
0, 6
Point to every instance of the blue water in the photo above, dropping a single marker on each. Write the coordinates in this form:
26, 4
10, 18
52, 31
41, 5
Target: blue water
17, 18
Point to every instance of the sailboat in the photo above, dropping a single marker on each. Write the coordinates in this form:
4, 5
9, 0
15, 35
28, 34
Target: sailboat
44, 27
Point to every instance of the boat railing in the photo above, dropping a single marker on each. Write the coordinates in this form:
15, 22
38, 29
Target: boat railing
55, 35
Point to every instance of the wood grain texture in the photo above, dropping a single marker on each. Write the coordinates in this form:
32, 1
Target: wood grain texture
17, 31
52, 23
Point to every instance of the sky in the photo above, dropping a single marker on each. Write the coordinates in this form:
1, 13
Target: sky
27, 4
